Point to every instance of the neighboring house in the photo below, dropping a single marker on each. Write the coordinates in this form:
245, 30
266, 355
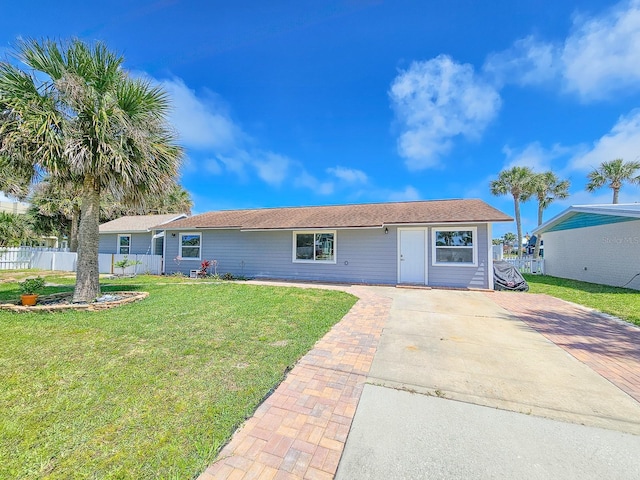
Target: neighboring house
594, 243
530, 246
10, 206
135, 234
439, 243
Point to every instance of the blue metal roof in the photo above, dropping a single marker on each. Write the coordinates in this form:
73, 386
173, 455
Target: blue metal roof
581, 216
582, 220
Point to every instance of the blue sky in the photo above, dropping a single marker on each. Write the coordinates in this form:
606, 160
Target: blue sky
328, 102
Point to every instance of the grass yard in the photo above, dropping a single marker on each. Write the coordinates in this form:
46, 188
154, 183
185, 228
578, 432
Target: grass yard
151, 389
624, 303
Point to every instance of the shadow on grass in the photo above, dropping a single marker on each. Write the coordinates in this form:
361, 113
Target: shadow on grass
123, 287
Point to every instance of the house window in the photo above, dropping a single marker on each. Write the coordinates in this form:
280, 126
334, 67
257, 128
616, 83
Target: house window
190, 244
314, 247
455, 247
124, 244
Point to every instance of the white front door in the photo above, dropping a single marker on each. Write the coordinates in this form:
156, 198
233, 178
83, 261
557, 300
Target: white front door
412, 265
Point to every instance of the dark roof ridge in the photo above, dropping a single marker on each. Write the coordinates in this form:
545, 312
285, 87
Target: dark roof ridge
334, 205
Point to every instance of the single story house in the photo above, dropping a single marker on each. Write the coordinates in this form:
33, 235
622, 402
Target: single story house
594, 243
135, 234
438, 243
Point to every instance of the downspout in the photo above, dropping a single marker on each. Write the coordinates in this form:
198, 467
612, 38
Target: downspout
490, 256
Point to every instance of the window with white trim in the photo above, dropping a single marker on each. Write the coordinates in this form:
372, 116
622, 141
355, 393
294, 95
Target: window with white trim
190, 246
314, 247
124, 244
455, 247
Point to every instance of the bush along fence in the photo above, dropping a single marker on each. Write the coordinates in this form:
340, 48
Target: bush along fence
16, 258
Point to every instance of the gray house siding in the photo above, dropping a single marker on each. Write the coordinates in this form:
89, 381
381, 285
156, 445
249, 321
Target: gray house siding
604, 254
140, 243
362, 256
466, 277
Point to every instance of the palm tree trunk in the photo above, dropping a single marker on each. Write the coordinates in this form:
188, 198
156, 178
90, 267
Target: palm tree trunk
516, 205
536, 252
615, 195
87, 276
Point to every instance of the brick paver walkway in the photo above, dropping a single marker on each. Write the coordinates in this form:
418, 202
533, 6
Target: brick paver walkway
609, 346
299, 432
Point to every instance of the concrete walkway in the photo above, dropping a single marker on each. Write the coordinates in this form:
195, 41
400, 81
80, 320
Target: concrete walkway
458, 346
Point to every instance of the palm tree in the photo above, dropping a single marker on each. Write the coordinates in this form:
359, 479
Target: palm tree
509, 238
75, 113
175, 200
55, 209
616, 173
518, 182
547, 187
15, 230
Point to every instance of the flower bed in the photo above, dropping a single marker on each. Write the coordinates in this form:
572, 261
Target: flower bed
64, 301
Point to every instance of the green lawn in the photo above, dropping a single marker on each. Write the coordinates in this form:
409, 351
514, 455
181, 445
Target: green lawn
151, 389
624, 303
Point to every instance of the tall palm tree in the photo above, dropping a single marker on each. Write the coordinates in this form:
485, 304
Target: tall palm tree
616, 173
516, 181
547, 187
75, 113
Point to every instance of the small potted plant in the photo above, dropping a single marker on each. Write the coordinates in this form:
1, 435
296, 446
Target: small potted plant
29, 289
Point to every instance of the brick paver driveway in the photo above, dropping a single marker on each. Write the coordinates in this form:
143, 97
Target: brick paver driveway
609, 346
300, 431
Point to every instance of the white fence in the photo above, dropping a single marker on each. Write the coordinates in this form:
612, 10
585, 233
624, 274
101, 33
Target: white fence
63, 260
527, 264
148, 264
15, 258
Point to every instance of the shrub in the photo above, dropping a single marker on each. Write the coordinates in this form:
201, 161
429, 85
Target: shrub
32, 286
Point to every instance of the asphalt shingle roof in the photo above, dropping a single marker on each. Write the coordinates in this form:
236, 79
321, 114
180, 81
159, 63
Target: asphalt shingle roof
137, 223
347, 216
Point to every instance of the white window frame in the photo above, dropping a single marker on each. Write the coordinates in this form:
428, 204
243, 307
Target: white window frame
118, 246
314, 233
180, 246
457, 228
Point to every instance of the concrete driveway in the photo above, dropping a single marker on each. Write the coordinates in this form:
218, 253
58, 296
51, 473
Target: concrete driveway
459, 388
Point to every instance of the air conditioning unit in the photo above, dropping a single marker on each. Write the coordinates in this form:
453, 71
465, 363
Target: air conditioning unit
193, 273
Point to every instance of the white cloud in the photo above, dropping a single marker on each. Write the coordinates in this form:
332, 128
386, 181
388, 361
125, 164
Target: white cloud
628, 194
528, 62
535, 156
408, 194
273, 168
600, 56
235, 164
623, 141
349, 175
212, 166
206, 129
306, 180
436, 101
201, 124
